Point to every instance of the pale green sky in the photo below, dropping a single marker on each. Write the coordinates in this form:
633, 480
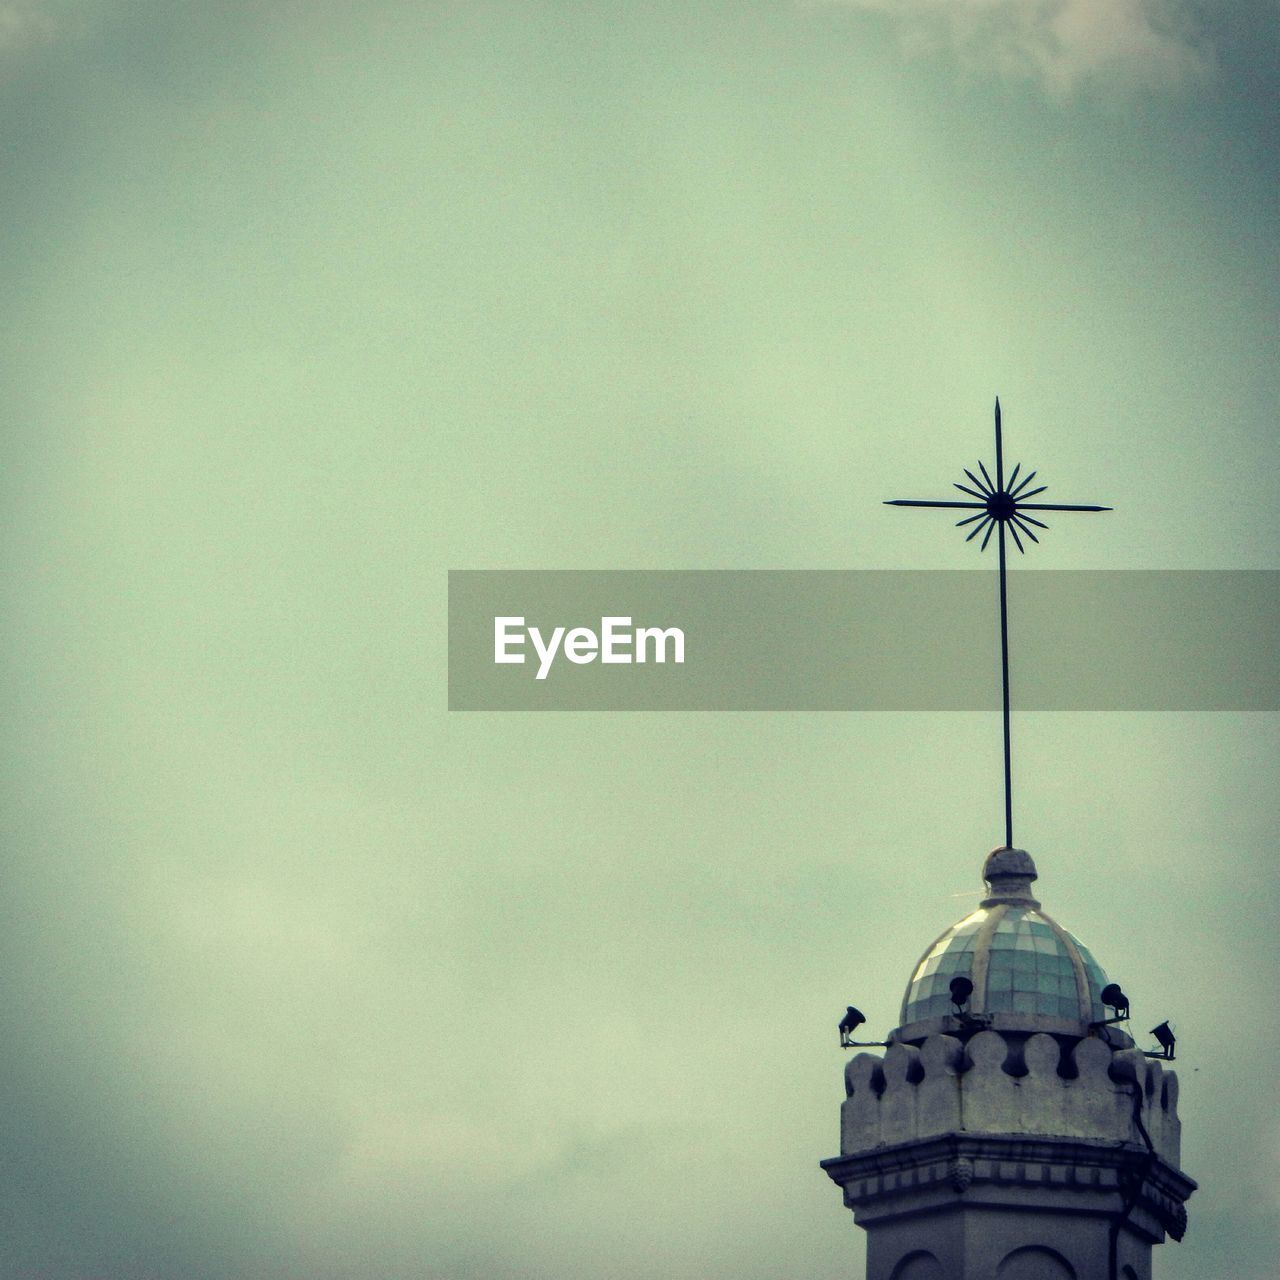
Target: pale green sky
306, 304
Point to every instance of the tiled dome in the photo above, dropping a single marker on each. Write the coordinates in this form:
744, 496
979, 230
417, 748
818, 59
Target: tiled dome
1027, 971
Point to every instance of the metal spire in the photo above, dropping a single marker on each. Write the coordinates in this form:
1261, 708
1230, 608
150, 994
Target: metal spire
999, 505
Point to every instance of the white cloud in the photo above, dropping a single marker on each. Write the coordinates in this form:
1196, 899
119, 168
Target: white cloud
1060, 44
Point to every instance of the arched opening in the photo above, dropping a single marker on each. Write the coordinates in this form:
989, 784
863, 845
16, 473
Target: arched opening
1035, 1263
918, 1265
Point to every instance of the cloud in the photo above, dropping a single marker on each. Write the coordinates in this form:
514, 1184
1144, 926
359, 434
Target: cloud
24, 24
1059, 44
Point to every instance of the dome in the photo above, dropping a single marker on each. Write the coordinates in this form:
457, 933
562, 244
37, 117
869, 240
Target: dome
1028, 972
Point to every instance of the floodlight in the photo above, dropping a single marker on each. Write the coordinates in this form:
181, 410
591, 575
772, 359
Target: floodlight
1115, 999
852, 1020
1165, 1039
961, 990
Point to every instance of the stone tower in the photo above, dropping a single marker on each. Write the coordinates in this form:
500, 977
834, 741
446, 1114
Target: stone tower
1012, 1141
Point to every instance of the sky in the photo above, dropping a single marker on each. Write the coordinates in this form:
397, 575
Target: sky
307, 304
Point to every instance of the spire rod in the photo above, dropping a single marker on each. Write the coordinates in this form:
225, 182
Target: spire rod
999, 506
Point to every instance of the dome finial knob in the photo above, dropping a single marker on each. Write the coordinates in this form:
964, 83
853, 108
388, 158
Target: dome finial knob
1009, 873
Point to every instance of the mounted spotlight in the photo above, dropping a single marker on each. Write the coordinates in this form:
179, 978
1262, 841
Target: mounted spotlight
1115, 1000
961, 991
1165, 1039
852, 1020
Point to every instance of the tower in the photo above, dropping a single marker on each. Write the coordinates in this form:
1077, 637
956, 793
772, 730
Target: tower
1011, 1131
1012, 1134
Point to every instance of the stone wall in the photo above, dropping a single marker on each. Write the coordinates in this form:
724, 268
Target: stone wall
1014, 1085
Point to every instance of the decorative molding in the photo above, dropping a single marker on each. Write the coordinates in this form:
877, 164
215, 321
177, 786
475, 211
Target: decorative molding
1016, 1171
1001, 1083
961, 1174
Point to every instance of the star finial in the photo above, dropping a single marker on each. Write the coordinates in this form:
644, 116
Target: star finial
1000, 506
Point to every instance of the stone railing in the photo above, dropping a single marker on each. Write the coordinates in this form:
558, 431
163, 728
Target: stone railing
998, 1086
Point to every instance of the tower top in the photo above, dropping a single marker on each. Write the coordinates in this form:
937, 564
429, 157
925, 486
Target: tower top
1009, 873
1028, 973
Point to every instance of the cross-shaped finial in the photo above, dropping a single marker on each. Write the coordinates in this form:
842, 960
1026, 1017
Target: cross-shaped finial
1000, 506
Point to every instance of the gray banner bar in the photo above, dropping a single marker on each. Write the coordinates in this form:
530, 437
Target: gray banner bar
864, 640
